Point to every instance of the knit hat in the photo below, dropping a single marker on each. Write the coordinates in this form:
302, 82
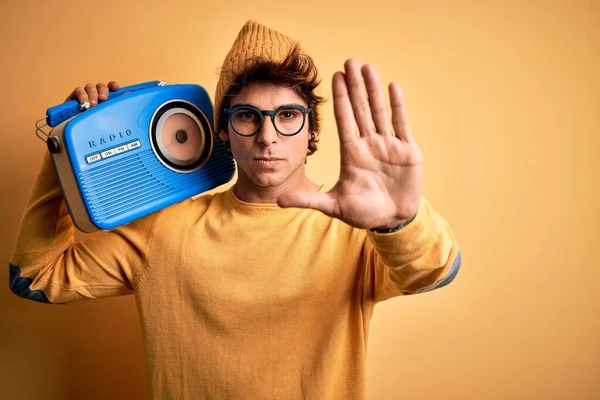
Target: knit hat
253, 40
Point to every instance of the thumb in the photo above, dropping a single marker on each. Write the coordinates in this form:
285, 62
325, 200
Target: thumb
319, 201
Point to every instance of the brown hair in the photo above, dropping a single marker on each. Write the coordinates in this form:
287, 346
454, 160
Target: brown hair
297, 72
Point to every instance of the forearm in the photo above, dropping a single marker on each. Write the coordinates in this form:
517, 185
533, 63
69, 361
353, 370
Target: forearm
47, 263
424, 255
45, 229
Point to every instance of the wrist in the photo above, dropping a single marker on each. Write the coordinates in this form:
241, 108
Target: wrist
394, 227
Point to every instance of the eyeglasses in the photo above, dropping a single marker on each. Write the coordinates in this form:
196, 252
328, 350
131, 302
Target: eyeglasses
247, 120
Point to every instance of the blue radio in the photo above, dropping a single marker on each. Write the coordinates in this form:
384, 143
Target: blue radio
146, 147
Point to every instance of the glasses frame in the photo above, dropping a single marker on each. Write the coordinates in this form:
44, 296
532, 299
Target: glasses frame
271, 113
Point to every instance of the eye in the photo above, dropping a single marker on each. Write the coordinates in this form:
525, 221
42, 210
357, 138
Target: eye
289, 114
246, 115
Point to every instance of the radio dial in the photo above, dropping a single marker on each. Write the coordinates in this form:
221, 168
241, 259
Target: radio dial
53, 144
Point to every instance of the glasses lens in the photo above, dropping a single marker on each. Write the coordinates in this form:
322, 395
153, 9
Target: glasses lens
245, 121
289, 121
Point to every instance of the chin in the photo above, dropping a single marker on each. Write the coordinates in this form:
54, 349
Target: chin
268, 179
265, 178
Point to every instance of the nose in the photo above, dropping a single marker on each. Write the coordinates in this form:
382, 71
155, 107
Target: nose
267, 134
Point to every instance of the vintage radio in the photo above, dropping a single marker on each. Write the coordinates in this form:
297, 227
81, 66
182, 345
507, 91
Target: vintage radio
146, 147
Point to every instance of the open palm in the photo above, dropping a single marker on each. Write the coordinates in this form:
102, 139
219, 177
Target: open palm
381, 166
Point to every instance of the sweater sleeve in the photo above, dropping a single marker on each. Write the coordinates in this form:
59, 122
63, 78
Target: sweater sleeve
422, 256
49, 266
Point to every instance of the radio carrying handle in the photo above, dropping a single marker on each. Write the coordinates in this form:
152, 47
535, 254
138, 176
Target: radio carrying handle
61, 112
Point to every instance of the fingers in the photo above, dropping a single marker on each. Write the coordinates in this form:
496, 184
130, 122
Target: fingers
93, 93
113, 86
102, 90
358, 97
323, 202
376, 100
78, 94
342, 109
399, 113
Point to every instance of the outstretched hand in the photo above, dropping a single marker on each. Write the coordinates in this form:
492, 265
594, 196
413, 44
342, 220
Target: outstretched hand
381, 166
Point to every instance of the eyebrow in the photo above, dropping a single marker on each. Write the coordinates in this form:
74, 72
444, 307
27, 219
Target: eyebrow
282, 105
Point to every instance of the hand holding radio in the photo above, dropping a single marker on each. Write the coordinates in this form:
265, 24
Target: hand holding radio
92, 94
121, 153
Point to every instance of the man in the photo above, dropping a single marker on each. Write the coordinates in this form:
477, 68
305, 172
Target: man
264, 291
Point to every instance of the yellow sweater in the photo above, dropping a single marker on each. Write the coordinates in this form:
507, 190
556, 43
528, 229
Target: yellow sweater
236, 300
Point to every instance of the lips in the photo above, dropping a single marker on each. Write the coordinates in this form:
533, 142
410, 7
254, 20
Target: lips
268, 159
270, 163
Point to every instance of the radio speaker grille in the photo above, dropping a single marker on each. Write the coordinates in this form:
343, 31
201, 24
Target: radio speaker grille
139, 180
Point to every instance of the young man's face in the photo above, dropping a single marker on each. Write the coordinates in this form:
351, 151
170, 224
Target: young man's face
268, 159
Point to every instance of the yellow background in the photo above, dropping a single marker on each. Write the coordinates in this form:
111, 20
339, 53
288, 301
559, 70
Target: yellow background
504, 101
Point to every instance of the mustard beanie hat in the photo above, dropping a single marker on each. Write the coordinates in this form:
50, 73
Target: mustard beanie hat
253, 40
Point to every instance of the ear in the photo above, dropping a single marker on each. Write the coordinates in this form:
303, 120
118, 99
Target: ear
224, 135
